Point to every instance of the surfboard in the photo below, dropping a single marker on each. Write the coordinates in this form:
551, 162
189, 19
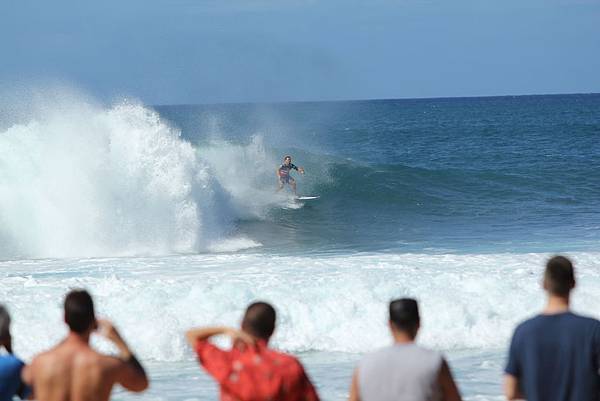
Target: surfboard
307, 197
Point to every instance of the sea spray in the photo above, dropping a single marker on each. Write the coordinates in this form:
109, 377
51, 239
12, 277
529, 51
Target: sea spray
328, 304
86, 180
247, 173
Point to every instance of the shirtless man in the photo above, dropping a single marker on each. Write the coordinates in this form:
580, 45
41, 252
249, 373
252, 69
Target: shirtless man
73, 371
283, 173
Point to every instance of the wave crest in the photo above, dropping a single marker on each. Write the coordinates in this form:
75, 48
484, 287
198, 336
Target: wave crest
84, 180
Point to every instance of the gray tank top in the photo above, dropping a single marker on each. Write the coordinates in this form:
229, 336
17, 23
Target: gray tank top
404, 372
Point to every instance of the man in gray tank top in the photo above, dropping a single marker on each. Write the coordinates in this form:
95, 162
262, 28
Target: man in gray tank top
404, 370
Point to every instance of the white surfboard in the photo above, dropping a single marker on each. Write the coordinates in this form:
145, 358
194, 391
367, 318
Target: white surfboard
307, 197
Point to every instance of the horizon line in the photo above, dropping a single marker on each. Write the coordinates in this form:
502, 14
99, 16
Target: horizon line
374, 99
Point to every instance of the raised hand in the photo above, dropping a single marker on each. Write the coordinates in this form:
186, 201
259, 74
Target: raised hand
107, 330
238, 335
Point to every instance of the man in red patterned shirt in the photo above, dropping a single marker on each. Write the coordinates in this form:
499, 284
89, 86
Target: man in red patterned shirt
251, 371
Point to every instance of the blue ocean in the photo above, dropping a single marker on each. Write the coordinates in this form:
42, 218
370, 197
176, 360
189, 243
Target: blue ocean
461, 175
169, 215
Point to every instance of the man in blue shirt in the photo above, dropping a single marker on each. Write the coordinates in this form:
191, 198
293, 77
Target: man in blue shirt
10, 366
555, 356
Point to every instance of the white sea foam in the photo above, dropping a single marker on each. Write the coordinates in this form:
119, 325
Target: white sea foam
78, 179
233, 244
325, 304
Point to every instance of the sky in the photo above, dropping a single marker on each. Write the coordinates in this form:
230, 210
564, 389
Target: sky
214, 51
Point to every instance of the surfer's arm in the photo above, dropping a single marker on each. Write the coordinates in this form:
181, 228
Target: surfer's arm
204, 333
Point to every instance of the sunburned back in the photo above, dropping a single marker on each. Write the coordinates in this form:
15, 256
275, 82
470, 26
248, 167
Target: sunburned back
74, 373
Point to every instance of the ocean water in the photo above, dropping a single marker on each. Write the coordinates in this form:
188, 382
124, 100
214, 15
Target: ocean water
168, 215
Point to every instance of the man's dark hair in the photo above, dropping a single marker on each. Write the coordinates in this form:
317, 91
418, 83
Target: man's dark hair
259, 320
79, 311
559, 277
404, 315
4, 323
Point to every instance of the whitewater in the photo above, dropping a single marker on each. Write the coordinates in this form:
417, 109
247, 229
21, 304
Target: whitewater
168, 216
82, 180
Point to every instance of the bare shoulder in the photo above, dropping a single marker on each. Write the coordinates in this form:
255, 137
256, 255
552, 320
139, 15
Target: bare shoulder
111, 363
107, 366
88, 358
45, 357
44, 364
108, 361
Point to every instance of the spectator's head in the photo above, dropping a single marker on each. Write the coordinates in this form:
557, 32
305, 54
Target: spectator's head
559, 278
79, 312
5, 339
259, 320
404, 316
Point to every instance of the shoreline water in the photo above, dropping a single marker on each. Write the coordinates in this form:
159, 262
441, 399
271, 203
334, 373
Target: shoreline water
331, 310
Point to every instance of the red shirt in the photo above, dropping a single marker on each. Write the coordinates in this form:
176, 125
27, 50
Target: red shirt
256, 373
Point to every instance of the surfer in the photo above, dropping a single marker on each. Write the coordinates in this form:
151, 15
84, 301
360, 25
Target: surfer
283, 174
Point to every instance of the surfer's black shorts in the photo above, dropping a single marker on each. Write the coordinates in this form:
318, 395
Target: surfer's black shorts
286, 179
284, 173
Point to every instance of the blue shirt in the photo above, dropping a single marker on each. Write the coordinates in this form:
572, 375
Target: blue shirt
557, 358
10, 378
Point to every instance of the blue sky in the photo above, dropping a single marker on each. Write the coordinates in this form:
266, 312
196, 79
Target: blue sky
205, 51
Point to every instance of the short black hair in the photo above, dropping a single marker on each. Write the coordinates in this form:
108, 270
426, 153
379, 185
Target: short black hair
404, 315
4, 323
259, 320
79, 311
559, 277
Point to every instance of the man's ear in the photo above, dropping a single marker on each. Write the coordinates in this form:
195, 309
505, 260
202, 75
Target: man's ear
391, 326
